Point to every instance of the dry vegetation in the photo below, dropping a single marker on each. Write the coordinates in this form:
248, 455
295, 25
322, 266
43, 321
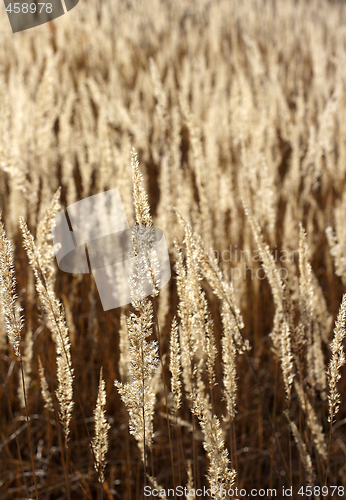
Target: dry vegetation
228, 374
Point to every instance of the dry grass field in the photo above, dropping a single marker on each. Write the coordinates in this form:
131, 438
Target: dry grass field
224, 124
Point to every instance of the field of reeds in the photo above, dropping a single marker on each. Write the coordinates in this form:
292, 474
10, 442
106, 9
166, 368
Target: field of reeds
222, 123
